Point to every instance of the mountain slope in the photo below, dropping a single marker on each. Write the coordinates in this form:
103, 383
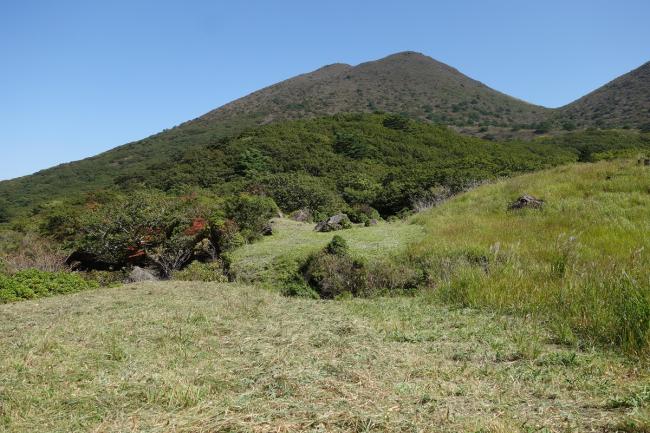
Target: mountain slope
407, 83
624, 101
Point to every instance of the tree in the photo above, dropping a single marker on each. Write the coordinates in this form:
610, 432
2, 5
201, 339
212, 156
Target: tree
251, 213
144, 226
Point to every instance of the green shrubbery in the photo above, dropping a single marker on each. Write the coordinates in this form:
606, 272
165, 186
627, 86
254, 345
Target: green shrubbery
166, 231
32, 283
197, 271
333, 272
251, 213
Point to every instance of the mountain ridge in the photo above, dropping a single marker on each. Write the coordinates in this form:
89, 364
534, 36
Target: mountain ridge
406, 83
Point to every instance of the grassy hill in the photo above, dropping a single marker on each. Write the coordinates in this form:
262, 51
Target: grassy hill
580, 263
624, 101
262, 262
519, 324
192, 358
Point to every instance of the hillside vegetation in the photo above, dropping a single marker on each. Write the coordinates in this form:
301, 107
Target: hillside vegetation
384, 161
190, 357
408, 84
624, 101
582, 261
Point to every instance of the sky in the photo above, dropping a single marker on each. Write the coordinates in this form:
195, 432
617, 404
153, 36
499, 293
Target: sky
80, 77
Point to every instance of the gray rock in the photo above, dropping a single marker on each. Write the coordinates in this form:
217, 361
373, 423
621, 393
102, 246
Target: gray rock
335, 222
139, 274
301, 215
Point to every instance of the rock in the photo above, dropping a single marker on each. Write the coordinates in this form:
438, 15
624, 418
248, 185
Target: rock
139, 274
301, 215
267, 230
335, 222
372, 222
526, 201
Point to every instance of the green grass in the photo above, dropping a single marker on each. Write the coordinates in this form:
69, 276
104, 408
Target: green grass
292, 242
210, 357
583, 262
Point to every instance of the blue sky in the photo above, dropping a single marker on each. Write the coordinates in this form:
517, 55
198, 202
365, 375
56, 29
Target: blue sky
80, 77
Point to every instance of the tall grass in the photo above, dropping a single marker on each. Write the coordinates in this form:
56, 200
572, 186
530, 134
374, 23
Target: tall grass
582, 262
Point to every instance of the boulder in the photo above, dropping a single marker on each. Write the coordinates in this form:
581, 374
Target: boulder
333, 223
267, 230
301, 215
139, 274
526, 201
372, 222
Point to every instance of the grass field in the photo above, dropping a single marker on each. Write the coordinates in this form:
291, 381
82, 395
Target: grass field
292, 242
582, 262
197, 357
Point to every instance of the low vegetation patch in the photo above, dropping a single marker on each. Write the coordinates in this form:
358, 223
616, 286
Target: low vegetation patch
32, 283
210, 357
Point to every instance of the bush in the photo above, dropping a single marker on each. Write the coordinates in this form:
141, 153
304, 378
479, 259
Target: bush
251, 213
293, 191
147, 225
396, 122
32, 283
337, 246
333, 272
197, 271
28, 251
362, 214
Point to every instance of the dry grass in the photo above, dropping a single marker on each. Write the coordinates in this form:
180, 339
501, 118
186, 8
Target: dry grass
196, 357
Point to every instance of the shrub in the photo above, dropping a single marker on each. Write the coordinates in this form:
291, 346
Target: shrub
332, 275
147, 225
396, 122
197, 271
251, 213
225, 235
337, 246
32, 283
293, 191
29, 251
352, 146
333, 272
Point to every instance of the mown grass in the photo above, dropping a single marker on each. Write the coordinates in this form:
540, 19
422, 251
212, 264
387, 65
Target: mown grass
211, 357
582, 262
266, 262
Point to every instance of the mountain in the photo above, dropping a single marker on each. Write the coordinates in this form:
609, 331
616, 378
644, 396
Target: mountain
624, 101
408, 83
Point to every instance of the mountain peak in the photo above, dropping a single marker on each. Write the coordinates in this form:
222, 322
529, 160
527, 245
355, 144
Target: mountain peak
624, 101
